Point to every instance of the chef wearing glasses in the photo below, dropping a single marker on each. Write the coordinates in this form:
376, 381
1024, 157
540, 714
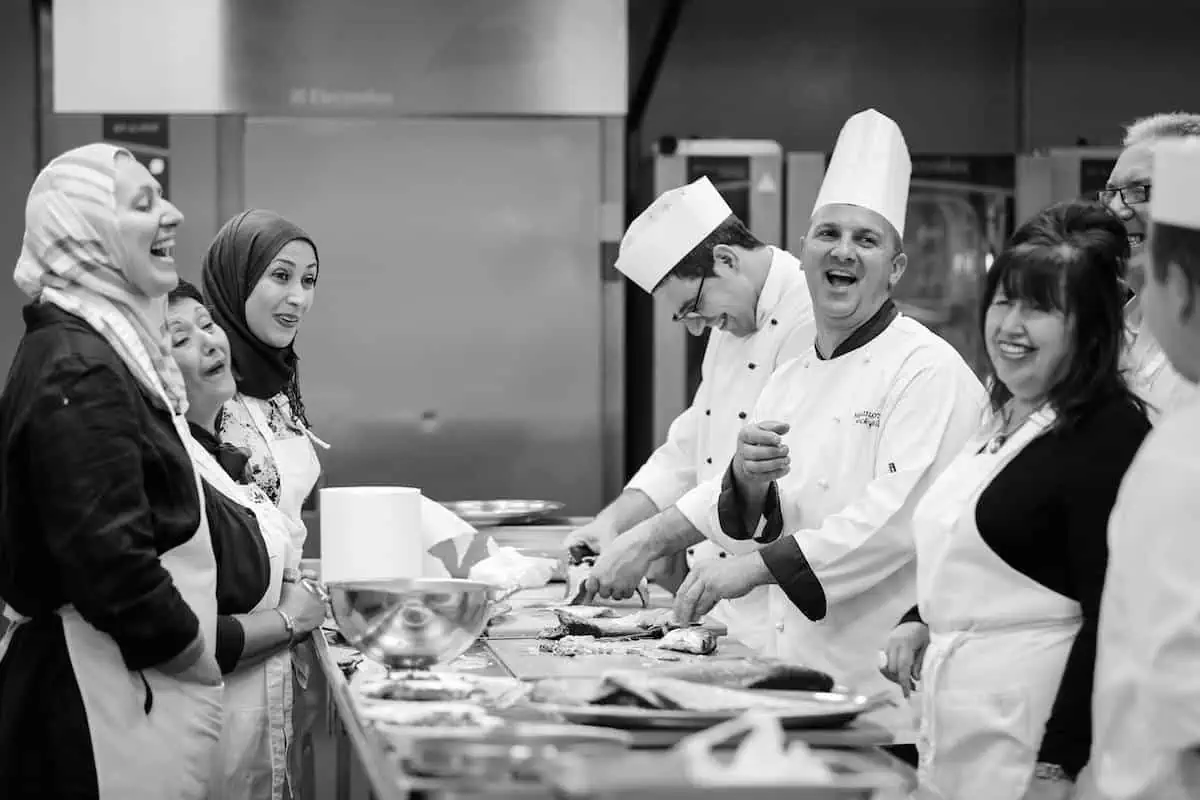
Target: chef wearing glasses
1128, 195
690, 251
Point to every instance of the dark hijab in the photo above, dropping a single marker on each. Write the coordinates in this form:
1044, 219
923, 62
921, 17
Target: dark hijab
233, 265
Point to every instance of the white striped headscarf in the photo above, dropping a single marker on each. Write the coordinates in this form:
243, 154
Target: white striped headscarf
72, 256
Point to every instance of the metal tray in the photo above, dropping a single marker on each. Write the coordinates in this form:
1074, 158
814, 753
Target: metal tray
802, 710
484, 513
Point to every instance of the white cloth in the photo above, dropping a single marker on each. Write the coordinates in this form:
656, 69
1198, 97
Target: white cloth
252, 755
1146, 701
1148, 371
999, 640
701, 441
869, 431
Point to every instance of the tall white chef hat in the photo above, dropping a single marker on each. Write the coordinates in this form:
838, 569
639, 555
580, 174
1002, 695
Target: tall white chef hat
668, 230
870, 168
1175, 182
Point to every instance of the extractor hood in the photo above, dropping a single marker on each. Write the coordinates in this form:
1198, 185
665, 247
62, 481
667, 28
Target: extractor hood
341, 57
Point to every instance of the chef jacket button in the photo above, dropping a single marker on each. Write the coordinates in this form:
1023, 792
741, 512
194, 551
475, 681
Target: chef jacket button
708, 412
774, 322
752, 365
691, 552
708, 461
741, 415
779, 627
722, 554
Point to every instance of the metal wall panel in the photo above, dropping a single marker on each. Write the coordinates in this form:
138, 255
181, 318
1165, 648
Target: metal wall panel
456, 342
345, 58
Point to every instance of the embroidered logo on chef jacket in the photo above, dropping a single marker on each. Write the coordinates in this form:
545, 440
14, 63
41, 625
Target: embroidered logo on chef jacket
868, 418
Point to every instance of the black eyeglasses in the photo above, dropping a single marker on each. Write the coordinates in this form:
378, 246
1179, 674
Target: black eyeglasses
692, 310
1130, 195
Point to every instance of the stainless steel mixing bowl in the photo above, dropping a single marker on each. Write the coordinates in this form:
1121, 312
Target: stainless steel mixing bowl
411, 623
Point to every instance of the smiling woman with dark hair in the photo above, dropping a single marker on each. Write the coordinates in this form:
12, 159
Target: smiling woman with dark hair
261, 611
1011, 539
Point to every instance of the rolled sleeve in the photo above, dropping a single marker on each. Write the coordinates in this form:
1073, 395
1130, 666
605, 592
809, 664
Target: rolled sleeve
93, 507
791, 570
231, 641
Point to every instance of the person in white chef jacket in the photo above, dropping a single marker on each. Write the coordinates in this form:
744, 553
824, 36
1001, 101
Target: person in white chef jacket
1146, 700
1128, 194
843, 440
691, 252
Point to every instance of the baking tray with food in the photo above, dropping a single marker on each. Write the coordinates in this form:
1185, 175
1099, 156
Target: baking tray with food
693, 697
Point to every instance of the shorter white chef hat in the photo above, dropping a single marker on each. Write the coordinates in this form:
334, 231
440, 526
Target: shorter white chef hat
668, 230
870, 168
1175, 183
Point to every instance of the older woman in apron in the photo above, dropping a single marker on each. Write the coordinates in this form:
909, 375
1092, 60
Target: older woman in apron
261, 614
1011, 538
109, 685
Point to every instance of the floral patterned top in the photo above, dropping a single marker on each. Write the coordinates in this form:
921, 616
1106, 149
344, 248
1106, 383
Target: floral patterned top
235, 426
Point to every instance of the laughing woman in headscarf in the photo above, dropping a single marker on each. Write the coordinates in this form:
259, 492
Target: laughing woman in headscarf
262, 612
109, 688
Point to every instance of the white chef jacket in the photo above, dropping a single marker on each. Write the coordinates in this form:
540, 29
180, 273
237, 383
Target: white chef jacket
1148, 371
870, 429
702, 439
1146, 700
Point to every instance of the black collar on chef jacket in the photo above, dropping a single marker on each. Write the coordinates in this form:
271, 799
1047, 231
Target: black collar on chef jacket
863, 334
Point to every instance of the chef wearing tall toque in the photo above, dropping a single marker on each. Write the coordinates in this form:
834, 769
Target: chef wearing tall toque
817, 500
1146, 699
691, 252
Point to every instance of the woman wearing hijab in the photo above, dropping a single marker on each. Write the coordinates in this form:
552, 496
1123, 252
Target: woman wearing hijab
108, 682
259, 280
262, 609
1011, 539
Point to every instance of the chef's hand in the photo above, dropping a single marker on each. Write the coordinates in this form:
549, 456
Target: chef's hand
595, 535
305, 607
621, 566
905, 650
713, 580
761, 455
1042, 789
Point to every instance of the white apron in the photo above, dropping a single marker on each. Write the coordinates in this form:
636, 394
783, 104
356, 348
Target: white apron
999, 640
252, 756
168, 752
298, 467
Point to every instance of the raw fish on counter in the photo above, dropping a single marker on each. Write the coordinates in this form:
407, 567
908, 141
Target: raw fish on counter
571, 646
652, 691
648, 624
754, 673
696, 641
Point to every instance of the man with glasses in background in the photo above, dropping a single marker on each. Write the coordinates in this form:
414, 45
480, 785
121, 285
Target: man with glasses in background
1128, 195
690, 251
